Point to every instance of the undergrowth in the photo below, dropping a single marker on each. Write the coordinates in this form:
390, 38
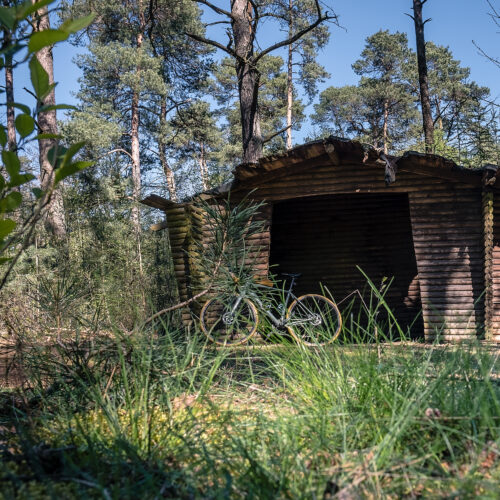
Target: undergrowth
165, 415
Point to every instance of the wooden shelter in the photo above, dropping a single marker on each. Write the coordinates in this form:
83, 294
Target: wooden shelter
333, 205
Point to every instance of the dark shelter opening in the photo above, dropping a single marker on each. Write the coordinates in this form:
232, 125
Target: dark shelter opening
326, 238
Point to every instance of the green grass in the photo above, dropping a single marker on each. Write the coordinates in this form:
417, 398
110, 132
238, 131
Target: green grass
155, 416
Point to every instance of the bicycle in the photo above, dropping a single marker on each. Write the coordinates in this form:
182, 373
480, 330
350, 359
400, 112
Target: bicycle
311, 319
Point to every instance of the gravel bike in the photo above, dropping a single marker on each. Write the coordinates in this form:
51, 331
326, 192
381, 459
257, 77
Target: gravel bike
232, 319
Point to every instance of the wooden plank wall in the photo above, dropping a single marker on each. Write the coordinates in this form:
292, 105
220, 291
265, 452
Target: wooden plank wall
447, 232
189, 232
259, 244
326, 237
178, 224
448, 238
495, 272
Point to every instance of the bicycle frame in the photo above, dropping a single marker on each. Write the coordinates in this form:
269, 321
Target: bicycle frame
278, 322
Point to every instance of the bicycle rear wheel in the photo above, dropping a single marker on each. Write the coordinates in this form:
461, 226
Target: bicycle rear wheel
314, 320
229, 322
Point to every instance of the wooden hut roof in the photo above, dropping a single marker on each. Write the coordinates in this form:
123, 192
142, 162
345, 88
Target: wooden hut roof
338, 150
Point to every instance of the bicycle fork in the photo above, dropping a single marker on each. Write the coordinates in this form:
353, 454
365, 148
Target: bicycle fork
228, 316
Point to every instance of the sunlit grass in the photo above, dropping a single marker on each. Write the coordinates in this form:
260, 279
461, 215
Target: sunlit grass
167, 415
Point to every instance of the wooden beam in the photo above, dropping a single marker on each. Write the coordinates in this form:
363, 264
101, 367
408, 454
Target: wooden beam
155, 201
280, 172
159, 226
429, 165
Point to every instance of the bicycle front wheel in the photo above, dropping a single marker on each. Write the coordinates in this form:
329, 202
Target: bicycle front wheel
314, 320
229, 322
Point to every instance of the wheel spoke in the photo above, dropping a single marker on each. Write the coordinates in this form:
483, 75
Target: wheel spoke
229, 321
314, 320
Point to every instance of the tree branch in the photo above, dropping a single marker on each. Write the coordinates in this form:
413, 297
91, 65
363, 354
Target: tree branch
118, 150
292, 39
213, 43
483, 53
177, 306
218, 22
272, 136
220, 11
494, 14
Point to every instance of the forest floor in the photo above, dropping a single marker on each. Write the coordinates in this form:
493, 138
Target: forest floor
166, 417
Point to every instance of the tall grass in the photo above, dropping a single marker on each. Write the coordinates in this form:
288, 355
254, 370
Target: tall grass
153, 416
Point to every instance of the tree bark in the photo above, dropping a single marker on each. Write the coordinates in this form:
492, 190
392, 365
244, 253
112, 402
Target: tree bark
385, 126
136, 162
9, 95
47, 124
422, 76
135, 147
289, 89
203, 167
9, 89
248, 79
169, 175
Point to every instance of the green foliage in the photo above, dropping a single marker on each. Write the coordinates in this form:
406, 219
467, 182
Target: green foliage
142, 49
381, 110
13, 20
195, 140
293, 17
465, 120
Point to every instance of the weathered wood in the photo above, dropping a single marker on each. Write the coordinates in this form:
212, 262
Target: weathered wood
155, 201
338, 213
488, 221
159, 226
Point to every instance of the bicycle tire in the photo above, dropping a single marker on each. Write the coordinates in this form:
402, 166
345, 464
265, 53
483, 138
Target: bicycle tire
314, 320
225, 327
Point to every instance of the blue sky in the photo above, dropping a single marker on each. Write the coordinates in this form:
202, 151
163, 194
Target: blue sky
455, 23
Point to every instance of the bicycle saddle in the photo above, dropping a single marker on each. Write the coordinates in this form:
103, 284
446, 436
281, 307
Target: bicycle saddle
292, 275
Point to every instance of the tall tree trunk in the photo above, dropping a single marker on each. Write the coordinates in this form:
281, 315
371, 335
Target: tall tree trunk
9, 89
289, 82
135, 148
385, 126
202, 161
47, 124
422, 75
136, 162
248, 80
9, 95
136, 156
169, 175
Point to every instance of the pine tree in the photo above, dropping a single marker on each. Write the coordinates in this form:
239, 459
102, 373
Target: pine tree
244, 18
303, 70
272, 107
381, 110
140, 68
196, 140
427, 121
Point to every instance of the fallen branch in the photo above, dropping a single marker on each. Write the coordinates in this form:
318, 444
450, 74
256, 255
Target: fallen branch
178, 306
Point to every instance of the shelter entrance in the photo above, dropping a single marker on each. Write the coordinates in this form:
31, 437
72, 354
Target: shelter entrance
327, 237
